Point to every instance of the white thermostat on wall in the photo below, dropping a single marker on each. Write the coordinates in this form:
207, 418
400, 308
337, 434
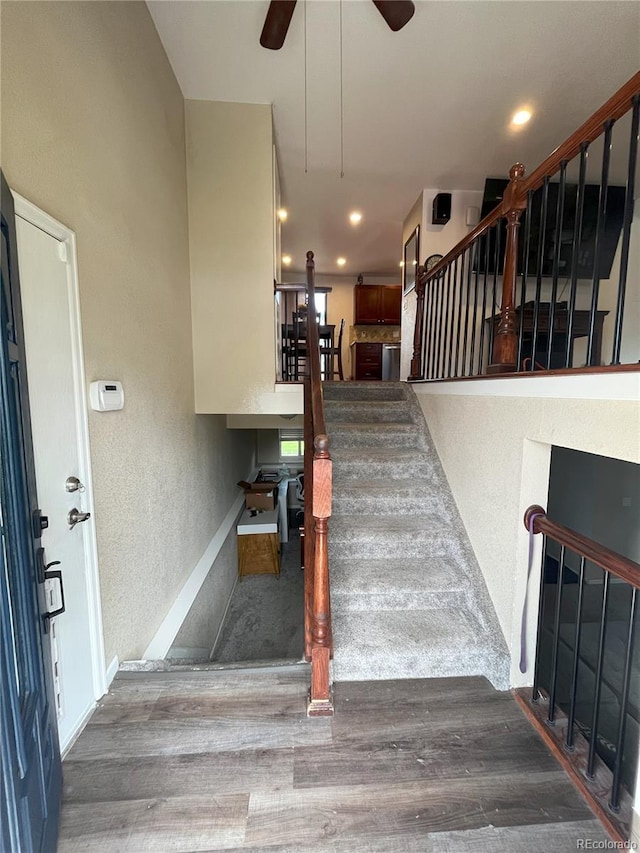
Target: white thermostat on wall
106, 395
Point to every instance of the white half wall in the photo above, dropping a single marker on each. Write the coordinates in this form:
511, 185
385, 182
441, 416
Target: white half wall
231, 196
495, 450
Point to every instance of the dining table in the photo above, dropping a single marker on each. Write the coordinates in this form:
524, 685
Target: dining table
294, 350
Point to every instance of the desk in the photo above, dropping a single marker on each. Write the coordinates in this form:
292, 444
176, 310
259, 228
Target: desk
294, 351
258, 543
580, 329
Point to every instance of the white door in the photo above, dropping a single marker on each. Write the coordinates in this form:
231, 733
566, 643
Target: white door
57, 414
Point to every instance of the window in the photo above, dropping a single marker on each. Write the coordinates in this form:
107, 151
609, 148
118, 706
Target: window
321, 307
291, 444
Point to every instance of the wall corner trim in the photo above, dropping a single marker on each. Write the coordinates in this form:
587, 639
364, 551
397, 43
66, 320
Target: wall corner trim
111, 671
168, 630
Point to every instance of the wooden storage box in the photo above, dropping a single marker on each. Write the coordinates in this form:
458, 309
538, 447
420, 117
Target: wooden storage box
258, 544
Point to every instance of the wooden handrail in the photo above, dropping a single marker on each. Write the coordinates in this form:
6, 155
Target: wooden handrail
318, 488
609, 560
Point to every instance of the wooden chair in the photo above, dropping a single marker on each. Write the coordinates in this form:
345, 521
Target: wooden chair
328, 355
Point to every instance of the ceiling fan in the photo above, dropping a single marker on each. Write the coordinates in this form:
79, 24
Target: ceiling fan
395, 12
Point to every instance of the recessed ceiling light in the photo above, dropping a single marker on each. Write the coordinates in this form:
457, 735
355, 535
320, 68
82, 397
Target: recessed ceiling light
282, 214
521, 117
286, 259
355, 217
341, 262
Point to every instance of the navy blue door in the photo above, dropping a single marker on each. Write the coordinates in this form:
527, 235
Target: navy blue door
31, 770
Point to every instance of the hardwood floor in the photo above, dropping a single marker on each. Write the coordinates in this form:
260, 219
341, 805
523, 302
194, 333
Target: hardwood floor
226, 760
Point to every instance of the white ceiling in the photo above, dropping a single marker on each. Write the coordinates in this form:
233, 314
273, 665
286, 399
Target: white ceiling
428, 106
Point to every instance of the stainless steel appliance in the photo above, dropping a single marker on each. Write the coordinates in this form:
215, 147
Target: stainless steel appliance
391, 361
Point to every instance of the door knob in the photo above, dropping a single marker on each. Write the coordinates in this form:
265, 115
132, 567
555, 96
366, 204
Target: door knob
75, 517
73, 484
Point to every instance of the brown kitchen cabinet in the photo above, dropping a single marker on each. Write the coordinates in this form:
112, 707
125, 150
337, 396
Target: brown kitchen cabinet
367, 362
377, 304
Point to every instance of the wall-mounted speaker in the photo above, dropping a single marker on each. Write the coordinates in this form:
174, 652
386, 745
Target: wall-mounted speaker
441, 209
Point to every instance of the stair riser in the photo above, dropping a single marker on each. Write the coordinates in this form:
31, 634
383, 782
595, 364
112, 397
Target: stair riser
382, 438
351, 391
395, 600
336, 413
388, 545
348, 503
443, 665
419, 468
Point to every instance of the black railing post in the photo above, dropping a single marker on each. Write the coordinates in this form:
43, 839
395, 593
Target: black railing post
595, 718
614, 803
600, 226
571, 716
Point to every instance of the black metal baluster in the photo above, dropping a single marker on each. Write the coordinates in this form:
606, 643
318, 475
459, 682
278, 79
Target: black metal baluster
571, 716
525, 275
535, 692
556, 641
440, 323
626, 229
446, 324
614, 803
557, 246
602, 219
577, 239
425, 337
465, 336
542, 233
476, 252
596, 699
483, 318
428, 307
464, 259
496, 261
453, 309
435, 284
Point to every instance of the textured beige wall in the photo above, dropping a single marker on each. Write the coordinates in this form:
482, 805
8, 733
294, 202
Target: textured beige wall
204, 620
93, 133
494, 451
231, 222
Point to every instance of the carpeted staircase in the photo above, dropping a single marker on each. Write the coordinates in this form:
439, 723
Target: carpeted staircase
408, 598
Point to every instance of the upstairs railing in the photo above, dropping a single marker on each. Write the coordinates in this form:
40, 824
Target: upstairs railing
550, 294
317, 510
585, 698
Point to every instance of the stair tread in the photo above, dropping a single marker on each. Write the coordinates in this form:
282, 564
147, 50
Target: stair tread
351, 577
400, 523
382, 486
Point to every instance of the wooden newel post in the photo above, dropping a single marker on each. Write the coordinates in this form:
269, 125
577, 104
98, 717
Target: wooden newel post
505, 342
320, 699
308, 559
416, 360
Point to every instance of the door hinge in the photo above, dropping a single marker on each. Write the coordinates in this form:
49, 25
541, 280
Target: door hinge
62, 252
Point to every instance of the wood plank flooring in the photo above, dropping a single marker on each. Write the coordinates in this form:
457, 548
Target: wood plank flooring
227, 760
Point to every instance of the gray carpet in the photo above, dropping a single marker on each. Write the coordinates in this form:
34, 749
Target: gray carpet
407, 595
265, 619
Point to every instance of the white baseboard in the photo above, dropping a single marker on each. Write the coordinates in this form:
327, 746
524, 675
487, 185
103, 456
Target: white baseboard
168, 630
77, 728
112, 669
224, 616
189, 653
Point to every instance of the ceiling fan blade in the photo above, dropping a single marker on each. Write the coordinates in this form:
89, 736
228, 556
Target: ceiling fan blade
396, 13
277, 23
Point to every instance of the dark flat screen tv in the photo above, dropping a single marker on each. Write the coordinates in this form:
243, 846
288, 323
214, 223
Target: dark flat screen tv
493, 191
